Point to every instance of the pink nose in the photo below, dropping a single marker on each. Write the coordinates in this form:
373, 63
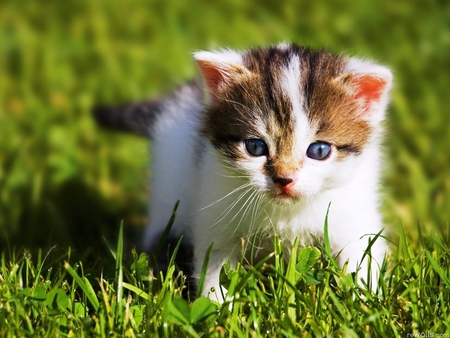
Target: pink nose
282, 181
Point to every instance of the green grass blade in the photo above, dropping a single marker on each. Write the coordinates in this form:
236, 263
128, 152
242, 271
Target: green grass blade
201, 282
291, 276
162, 241
84, 285
119, 269
438, 269
326, 240
136, 290
175, 252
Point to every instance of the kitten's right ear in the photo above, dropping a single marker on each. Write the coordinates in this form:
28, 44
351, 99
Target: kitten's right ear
219, 69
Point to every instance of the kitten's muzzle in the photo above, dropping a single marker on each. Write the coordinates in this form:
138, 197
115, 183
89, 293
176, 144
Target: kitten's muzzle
285, 188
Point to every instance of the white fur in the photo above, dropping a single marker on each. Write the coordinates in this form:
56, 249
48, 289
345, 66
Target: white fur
174, 175
223, 57
224, 204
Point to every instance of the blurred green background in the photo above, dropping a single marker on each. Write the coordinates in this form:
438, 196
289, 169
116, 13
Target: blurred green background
65, 181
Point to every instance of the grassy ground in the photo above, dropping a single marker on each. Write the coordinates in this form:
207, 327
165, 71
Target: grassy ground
65, 184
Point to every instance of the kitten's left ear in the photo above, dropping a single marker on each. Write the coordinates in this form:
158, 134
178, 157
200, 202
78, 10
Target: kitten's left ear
370, 85
219, 69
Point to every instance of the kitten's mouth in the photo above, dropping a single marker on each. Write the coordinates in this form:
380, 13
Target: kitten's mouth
286, 196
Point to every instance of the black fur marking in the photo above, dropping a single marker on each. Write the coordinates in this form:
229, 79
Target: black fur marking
183, 262
139, 118
349, 148
268, 63
228, 145
135, 118
227, 139
314, 64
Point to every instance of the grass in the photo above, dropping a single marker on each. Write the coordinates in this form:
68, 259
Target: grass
305, 295
66, 185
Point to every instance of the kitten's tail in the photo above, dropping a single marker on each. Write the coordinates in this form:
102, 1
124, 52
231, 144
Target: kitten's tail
136, 118
140, 118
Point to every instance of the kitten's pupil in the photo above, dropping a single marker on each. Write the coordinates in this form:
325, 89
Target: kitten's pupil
256, 147
318, 150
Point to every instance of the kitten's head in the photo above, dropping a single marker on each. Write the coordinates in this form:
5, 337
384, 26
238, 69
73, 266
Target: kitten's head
293, 120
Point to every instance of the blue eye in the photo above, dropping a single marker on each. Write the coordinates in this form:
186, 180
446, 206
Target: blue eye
256, 147
318, 150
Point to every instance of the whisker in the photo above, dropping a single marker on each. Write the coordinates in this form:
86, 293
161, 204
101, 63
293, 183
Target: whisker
256, 204
255, 209
222, 198
228, 209
247, 205
233, 176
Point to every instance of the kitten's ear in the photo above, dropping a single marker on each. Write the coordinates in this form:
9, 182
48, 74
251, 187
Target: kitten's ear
370, 85
219, 69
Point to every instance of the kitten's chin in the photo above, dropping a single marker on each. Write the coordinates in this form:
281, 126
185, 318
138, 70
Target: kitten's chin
286, 198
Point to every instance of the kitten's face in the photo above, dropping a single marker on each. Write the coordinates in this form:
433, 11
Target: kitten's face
290, 119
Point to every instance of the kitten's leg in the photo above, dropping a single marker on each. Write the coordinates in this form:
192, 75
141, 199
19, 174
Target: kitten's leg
211, 286
354, 253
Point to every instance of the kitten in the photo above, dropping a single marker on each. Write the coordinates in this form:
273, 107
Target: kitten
266, 142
